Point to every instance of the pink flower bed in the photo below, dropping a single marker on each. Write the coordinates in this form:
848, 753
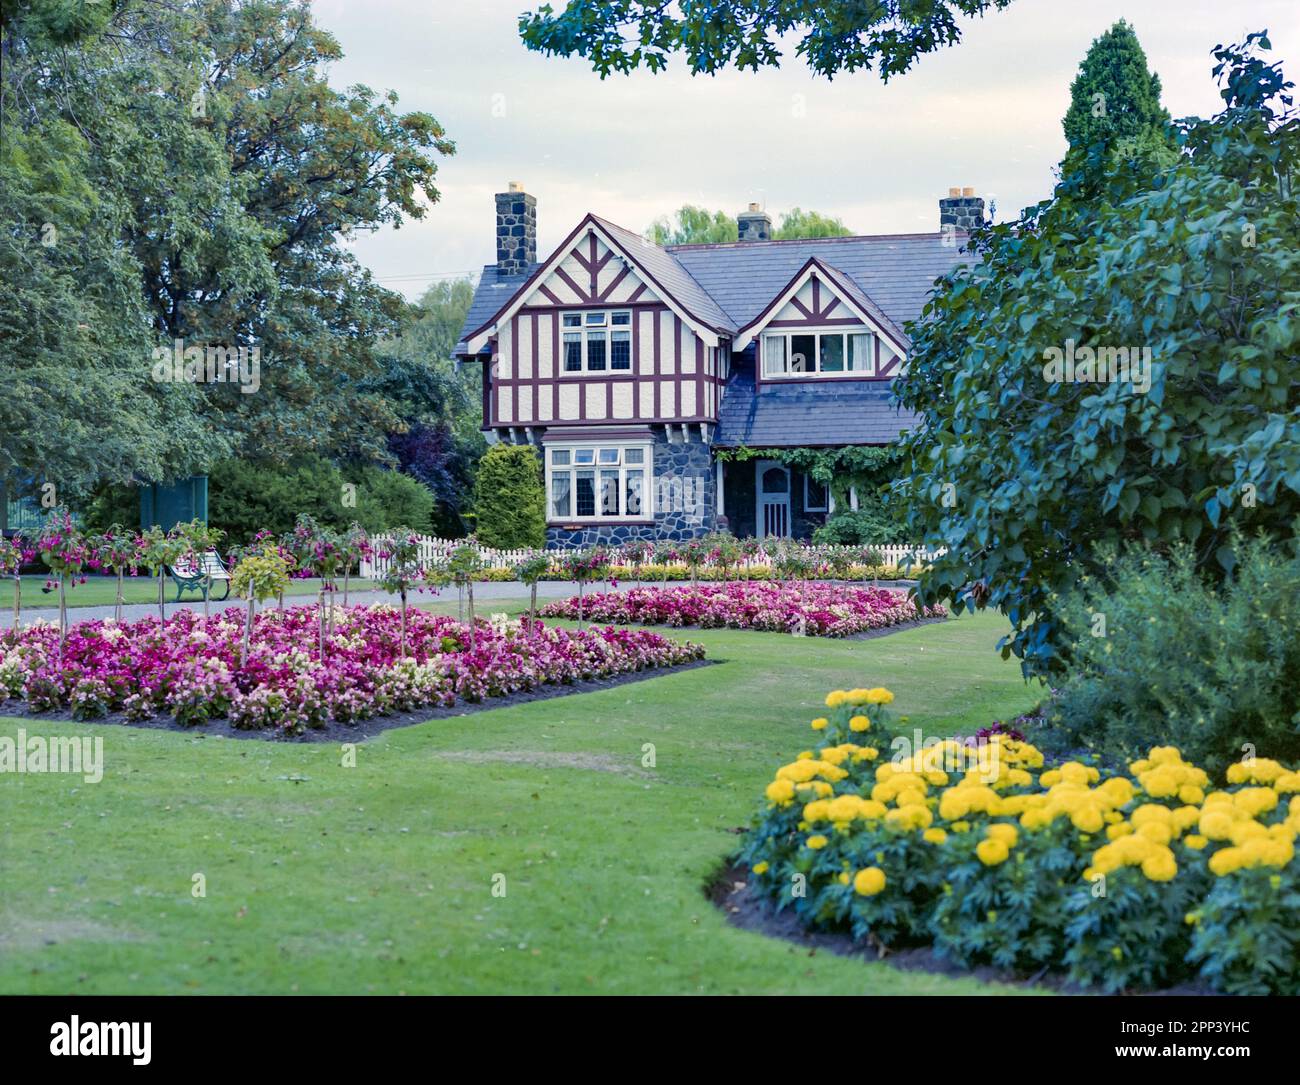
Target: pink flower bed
189, 668
821, 610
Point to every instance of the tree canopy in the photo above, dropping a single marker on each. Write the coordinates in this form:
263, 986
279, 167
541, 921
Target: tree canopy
1189, 278
834, 36
691, 225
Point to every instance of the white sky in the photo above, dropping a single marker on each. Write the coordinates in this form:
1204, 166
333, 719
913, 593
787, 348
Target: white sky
985, 113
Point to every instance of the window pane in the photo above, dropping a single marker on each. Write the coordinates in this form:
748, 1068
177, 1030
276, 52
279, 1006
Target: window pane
832, 353
620, 351
635, 481
814, 495
595, 320
634, 455
572, 352
573, 320
560, 456
560, 494
860, 354
584, 455
803, 353
607, 455
609, 493
773, 354
595, 351
621, 318
586, 493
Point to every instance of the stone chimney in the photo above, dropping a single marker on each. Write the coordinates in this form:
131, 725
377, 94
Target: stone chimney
516, 230
962, 209
755, 224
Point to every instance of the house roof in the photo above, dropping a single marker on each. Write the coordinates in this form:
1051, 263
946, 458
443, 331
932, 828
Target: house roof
727, 286
839, 412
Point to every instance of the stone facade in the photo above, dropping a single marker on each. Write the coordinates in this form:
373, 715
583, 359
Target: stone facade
685, 501
516, 232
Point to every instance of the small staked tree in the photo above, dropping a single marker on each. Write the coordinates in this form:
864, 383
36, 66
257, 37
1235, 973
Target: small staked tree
119, 552
354, 546
13, 556
530, 571
583, 567
695, 552
159, 549
463, 565
257, 578
63, 548
199, 538
403, 572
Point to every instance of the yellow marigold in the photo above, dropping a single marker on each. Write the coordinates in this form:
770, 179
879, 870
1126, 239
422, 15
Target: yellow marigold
879, 695
1074, 773
1164, 755
817, 842
843, 879
1216, 825
1225, 861
820, 723
1008, 834
836, 698
1087, 819
1259, 770
1190, 793
867, 753
761, 867
992, 852
1033, 819
817, 810
859, 723
960, 826
1160, 866
869, 882
1195, 841
1156, 832
780, 791
935, 836
1120, 828
1255, 800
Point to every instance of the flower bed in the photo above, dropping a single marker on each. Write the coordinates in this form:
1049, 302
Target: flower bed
189, 668
1138, 881
819, 610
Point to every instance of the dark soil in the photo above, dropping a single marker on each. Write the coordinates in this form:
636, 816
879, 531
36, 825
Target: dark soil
745, 908
351, 732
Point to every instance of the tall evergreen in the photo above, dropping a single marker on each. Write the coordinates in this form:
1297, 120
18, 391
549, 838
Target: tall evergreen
1115, 98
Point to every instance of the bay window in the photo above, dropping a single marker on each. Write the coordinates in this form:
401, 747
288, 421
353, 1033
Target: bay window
818, 353
597, 341
598, 482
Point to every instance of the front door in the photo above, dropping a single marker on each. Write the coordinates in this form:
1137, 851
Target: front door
772, 489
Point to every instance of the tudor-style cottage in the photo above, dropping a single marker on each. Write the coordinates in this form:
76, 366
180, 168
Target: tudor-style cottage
627, 364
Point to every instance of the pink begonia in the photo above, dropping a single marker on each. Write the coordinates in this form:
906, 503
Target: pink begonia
189, 668
818, 610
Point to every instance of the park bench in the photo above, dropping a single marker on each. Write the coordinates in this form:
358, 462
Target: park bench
201, 577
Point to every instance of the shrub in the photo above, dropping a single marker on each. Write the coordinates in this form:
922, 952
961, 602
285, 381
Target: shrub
865, 527
1131, 881
1158, 654
509, 501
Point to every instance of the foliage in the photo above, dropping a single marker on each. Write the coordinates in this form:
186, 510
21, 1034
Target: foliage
260, 576
981, 850
246, 497
509, 500
1019, 469
846, 527
837, 36
691, 225
405, 568
1115, 100
1159, 654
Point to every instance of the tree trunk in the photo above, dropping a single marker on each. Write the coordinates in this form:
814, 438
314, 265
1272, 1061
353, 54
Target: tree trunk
117, 613
473, 633
403, 594
18, 598
63, 617
460, 603
248, 634
207, 590
347, 573
281, 598
320, 620
579, 604
162, 593
532, 610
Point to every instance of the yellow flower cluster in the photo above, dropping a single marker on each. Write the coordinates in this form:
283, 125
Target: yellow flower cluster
878, 695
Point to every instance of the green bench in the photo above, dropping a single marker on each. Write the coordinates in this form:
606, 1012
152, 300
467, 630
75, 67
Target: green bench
202, 578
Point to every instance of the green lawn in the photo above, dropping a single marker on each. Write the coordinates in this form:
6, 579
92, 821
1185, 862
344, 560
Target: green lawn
101, 591
379, 878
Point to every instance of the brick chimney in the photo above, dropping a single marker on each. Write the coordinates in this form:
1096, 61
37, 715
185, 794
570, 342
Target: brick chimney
961, 208
516, 230
754, 224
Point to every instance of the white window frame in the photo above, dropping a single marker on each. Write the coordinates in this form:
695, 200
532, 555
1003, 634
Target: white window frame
807, 507
816, 372
646, 467
605, 327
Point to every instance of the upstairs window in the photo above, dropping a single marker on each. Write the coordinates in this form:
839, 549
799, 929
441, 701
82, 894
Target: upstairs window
597, 341
818, 354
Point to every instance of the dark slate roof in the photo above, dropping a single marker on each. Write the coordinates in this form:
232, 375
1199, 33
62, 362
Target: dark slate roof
859, 297
895, 271
788, 414
727, 286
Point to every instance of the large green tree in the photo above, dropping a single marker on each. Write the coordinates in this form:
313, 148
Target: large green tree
1115, 98
691, 225
1025, 465
834, 35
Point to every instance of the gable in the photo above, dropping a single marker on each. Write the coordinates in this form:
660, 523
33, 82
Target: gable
592, 273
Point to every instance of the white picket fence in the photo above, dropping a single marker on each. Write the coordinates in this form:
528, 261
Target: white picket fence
434, 551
